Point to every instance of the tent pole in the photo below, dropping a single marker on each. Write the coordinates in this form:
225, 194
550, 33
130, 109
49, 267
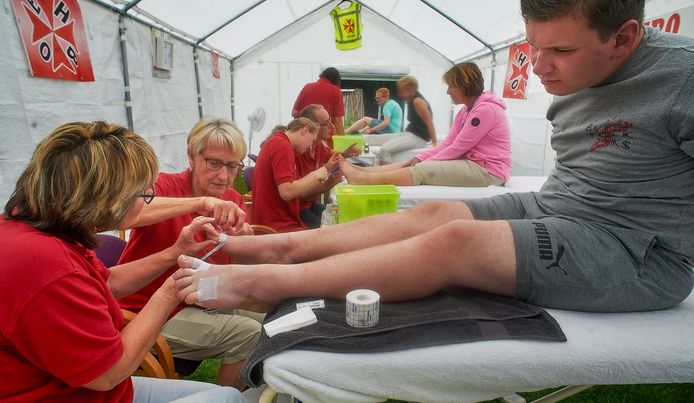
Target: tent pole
233, 98
493, 68
197, 80
126, 77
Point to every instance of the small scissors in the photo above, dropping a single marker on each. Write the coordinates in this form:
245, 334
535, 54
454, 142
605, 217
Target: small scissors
224, 238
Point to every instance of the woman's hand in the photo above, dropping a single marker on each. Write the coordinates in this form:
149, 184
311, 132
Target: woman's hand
412, 162
186, 244
227, 214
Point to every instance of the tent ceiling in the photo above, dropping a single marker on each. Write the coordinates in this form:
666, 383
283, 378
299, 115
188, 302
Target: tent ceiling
494, 22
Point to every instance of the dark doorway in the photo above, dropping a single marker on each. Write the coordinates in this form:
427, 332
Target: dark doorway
369, 88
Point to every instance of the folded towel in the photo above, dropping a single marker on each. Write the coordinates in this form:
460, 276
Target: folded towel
444, 318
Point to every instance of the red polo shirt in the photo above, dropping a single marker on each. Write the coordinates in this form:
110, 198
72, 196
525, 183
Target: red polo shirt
276, 165
309, 162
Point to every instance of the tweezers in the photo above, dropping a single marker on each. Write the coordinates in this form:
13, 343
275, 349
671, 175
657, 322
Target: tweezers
219, 246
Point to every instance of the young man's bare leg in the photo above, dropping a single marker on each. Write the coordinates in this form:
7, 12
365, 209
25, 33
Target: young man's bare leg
476, 254
304, 246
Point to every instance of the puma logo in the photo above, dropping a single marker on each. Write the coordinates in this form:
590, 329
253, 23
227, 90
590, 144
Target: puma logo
555, 264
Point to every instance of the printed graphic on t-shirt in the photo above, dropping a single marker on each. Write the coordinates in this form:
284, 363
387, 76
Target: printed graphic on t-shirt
612, 134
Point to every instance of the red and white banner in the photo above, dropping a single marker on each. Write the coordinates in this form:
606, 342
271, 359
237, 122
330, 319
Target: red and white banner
215, 65
53, 35
517, 71
679, 22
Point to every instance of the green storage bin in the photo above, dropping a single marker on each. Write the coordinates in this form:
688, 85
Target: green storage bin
341, 143
357, 201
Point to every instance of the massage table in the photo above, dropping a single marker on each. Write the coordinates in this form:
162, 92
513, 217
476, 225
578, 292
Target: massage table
413, 195
601, 349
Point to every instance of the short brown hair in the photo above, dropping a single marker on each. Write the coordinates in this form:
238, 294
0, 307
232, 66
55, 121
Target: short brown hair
83, 178
467, 77
605, 16
383, 91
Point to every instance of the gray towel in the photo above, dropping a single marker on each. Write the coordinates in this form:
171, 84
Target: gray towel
443, 318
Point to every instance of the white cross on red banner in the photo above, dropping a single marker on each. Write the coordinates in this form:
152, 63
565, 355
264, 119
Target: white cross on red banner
53, 35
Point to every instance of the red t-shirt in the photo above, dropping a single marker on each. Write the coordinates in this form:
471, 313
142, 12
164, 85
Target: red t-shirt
59, 323
276, 165
307, 163
322, 92
154, 238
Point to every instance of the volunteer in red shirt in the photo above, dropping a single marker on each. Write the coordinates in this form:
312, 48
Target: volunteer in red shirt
61, 329
277, 187
319, 154
216, 148
326, 91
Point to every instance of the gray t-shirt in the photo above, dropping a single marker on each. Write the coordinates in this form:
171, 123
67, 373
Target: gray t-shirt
625, 149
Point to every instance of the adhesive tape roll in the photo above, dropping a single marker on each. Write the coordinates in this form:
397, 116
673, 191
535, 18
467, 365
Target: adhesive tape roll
362, 308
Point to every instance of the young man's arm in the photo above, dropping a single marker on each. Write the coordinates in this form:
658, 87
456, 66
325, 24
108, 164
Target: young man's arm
385, 123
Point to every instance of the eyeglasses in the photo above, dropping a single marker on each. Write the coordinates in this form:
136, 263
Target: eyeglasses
326, 123
149, 196
216, 165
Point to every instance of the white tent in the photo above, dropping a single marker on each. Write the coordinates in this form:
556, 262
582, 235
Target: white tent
268, 50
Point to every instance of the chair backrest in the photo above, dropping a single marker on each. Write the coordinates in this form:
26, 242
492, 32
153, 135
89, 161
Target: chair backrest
248, 177
109, 250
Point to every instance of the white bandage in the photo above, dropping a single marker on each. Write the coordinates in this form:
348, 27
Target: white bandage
199, 265
207, 288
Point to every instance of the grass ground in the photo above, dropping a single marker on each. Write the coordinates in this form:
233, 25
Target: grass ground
660, 393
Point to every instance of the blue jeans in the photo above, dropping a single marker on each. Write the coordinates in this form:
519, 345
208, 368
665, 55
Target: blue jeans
154, 390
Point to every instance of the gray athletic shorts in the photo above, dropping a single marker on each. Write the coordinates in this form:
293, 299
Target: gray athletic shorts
570, 263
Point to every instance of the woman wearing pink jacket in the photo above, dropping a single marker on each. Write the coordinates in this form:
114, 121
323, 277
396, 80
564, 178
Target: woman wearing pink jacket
476, 152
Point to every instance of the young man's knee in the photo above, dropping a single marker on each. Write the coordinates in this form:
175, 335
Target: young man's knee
449, 209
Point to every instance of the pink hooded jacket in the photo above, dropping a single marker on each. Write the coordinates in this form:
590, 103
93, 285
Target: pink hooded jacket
480, 135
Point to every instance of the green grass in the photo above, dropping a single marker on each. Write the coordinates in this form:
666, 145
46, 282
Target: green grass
660, 393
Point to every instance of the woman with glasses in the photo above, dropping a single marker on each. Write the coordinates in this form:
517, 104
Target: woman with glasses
216, 148
61, 329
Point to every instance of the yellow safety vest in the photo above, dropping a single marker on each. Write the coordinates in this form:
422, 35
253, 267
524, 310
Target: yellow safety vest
348, 26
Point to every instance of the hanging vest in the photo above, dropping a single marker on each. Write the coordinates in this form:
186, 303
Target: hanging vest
348, 26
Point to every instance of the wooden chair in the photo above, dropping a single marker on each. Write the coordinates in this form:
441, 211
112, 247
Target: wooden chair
259, 229
248, 199
161, 366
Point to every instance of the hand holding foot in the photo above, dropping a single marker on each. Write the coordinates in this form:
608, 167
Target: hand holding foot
213, 286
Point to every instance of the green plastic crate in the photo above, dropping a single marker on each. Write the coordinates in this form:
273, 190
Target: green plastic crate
357, 201
341, 143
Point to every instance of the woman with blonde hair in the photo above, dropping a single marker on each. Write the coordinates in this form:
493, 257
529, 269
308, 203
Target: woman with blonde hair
61, 329
216, 149
476, 152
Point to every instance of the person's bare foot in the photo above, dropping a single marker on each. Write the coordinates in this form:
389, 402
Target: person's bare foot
353, 175
259, 249
224, 286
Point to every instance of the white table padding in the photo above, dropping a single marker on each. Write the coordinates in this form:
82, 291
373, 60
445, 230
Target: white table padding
413, 195
627, 348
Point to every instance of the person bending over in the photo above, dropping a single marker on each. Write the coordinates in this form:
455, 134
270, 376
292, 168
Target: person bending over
61, 329
477, 151
316, 156
611, 230
277, 187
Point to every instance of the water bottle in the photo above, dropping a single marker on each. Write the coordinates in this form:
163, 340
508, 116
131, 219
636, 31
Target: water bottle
329, 216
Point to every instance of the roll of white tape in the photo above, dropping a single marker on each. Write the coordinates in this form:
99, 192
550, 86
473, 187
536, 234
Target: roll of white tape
362, 308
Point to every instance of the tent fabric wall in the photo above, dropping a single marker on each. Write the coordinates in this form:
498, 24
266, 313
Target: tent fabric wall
164, 110
272, 74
